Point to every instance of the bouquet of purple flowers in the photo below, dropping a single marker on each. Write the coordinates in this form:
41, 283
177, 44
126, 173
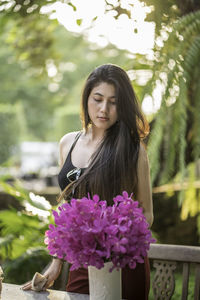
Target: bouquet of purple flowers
88, 232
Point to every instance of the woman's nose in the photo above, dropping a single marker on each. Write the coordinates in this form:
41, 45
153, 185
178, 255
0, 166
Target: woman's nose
104, 106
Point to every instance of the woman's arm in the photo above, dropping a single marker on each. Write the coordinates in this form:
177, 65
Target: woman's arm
51, 274
144, 193
65, 145
54, 268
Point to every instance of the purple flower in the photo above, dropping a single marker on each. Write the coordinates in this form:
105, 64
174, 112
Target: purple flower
88, 232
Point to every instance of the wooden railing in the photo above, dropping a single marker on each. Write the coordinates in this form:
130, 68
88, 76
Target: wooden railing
165, 260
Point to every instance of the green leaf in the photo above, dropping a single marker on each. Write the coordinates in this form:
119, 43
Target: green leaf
72, 5
7, 240
79, 21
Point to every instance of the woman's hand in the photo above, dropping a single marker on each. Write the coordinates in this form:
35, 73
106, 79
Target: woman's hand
51, 274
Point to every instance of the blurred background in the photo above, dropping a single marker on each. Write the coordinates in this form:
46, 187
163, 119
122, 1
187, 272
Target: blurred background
47, 50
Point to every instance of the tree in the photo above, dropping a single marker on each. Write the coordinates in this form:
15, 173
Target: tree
48, 88
28, 31
9, 131
174, 144
165, 12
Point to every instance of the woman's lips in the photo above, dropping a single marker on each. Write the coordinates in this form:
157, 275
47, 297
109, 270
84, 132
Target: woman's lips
103, 118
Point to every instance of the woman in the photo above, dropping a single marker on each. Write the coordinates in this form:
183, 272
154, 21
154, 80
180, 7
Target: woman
106, 158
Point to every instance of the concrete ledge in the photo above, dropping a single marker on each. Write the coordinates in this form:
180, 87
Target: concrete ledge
14, 292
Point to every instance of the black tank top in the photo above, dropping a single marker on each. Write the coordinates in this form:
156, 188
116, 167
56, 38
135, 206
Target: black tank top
69, 172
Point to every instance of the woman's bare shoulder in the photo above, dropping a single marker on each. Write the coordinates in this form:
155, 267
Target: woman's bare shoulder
67, 138
65, 144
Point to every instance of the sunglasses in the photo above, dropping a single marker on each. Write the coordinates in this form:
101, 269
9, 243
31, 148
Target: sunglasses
73, 174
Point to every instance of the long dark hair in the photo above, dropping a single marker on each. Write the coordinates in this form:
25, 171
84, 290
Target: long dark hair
113, 167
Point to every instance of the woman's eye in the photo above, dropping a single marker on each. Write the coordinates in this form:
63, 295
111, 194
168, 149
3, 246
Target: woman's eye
113, 103
97, 100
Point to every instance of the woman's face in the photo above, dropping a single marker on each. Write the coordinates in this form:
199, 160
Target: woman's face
102, 107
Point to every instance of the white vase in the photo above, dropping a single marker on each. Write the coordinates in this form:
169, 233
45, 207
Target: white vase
105, 285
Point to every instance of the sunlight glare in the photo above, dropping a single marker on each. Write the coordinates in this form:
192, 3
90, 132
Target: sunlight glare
134, 35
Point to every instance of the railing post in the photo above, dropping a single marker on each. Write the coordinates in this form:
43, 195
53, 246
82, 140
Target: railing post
186, 272
197, 282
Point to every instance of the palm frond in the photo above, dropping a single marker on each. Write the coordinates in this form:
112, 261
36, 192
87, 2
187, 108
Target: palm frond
179, 60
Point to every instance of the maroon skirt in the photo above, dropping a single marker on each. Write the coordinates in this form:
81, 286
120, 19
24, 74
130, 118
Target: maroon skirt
135, 282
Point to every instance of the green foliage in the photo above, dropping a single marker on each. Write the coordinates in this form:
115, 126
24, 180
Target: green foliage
22, 234
164, 12
67, 122
40, 97
28, 31
28, 95
31, 31
175, 125
20, 8
21, 269
191, 202
9, 133
33, 40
